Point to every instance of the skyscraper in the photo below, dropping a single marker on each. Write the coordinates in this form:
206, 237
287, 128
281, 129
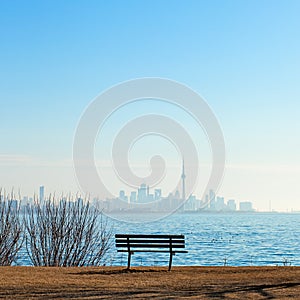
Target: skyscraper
157, 194
231, 205
42, 193
133, 197
183, 181
212, 199
142, 193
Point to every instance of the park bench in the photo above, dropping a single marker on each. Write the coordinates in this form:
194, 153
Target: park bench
132, 243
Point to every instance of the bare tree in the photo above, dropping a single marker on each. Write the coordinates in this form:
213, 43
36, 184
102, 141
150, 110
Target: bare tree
10, 229
66, 234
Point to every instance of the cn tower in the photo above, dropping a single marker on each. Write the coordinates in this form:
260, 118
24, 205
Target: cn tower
183, 181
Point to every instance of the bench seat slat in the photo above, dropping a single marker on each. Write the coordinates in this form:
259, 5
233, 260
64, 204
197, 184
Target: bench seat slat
158, 241
149, 246
160, 251
177, 236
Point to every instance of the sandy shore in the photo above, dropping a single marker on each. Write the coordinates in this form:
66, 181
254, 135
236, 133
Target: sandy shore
151, 282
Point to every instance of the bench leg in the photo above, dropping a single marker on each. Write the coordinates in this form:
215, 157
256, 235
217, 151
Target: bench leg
170, 260
129, 259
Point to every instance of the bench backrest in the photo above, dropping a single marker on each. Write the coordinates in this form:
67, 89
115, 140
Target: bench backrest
144, 241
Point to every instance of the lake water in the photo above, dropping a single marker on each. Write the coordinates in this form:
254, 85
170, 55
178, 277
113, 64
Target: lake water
234, 239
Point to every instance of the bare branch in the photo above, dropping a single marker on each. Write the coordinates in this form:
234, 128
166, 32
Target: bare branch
66, 233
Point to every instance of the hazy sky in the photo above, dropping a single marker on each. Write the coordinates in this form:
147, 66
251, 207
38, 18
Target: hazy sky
243, 57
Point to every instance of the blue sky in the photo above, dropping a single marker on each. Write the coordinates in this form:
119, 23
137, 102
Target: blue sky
241, 56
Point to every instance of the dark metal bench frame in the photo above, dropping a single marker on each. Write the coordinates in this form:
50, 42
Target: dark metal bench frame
132, 243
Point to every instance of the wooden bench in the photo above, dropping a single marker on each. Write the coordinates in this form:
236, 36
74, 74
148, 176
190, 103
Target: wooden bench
132, 243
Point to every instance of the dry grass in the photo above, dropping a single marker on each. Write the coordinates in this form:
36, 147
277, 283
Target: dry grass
152, 282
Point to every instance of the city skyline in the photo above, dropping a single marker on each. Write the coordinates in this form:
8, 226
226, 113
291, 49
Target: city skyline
211, 203
170, 202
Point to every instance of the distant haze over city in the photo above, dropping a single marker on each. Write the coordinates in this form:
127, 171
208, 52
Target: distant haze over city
242, 57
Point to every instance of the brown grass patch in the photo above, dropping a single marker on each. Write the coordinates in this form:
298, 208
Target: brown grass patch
150, 282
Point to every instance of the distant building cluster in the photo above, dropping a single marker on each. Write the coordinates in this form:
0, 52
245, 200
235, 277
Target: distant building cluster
144, 200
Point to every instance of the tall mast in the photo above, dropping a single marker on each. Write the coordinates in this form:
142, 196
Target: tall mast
183, 181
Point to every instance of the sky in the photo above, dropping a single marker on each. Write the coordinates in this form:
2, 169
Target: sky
242, 57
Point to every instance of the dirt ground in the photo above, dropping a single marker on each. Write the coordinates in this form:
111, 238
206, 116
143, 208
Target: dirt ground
151, 282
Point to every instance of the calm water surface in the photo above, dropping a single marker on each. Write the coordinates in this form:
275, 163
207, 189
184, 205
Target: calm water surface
216, 239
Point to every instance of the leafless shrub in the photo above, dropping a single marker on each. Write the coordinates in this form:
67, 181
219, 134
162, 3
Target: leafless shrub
66, 234
10, 229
